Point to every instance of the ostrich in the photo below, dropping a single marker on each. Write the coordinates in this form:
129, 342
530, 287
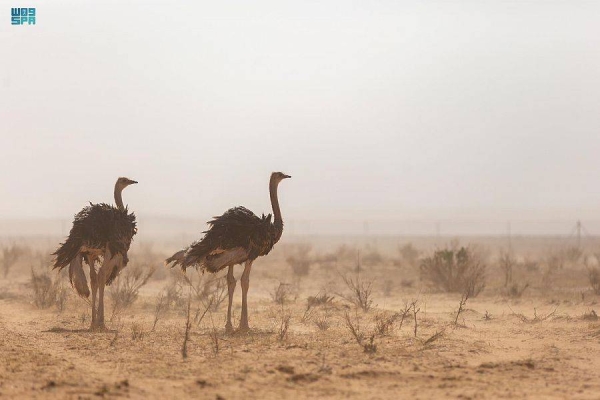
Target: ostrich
99, 231
238, 236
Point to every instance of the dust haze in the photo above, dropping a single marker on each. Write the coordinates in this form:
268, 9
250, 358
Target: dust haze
441, 222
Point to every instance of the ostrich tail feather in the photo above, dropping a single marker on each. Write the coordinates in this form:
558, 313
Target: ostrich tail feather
176, 259
77, 277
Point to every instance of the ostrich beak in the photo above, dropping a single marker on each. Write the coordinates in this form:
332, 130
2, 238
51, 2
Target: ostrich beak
131, 182
286, 176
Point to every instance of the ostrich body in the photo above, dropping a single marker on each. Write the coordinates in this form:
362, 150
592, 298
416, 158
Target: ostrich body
100, 231
238, 236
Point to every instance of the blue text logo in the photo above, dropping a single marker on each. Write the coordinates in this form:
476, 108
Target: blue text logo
22, 16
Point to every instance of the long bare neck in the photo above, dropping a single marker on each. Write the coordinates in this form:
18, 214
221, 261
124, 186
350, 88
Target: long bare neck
118, 198
275, 202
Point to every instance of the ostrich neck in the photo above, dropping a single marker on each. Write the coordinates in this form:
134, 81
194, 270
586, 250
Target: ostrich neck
118, 198
275, 203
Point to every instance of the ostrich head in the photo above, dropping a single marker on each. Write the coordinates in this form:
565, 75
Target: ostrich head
277, 177
122, 183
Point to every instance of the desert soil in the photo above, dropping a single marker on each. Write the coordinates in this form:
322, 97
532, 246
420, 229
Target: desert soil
542, 346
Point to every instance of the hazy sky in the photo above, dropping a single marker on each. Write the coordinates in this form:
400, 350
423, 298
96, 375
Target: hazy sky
378, 109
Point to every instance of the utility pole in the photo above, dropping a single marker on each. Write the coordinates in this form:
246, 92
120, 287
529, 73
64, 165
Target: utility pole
578, 234
509, 232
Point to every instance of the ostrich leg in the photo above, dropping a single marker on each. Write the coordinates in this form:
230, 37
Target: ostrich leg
245, 285
94, 285
103, 273
230, 290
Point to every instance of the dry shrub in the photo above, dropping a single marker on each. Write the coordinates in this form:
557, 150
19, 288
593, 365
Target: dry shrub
536, 317
299, 259
283, 293
360, 292
188, 327
594, 279
507, 263
455, 270
372, 256
10, 255
322, 320
48, 292
206, 290
215, 340
384, 323
284, 324
409, 254
405, 312
319, 300
590, 316
345, 253
353, 325
125, 289
316, 301
516, 291
326, 261
573, 254
554, 262
160, 308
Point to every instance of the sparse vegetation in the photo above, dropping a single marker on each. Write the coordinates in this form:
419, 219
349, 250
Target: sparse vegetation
160, 308
353, 326
359, 291
300, 259
188, 327
384, 323
124, 291
137, 331
455, 270
283, 293
461, 305
372, 256
284, 324
320, 335
409, 254
507, 264
48, 291
516, 290
594, 279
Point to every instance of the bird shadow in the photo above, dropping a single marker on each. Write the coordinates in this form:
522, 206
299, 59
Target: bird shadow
65, 330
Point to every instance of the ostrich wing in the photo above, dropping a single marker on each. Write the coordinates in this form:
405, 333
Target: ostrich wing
234, 237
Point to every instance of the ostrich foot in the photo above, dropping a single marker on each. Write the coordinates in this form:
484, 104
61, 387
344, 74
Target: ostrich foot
228, 328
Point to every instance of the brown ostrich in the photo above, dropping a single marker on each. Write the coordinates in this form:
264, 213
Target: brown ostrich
100, 231
238, 236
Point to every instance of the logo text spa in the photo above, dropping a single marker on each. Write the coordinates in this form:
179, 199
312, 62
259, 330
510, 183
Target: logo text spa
22, 16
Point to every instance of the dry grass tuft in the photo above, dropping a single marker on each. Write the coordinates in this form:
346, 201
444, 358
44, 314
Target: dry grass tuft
137, 331
384, 323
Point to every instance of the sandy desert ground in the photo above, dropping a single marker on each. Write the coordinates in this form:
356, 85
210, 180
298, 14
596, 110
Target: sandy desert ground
541, 343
